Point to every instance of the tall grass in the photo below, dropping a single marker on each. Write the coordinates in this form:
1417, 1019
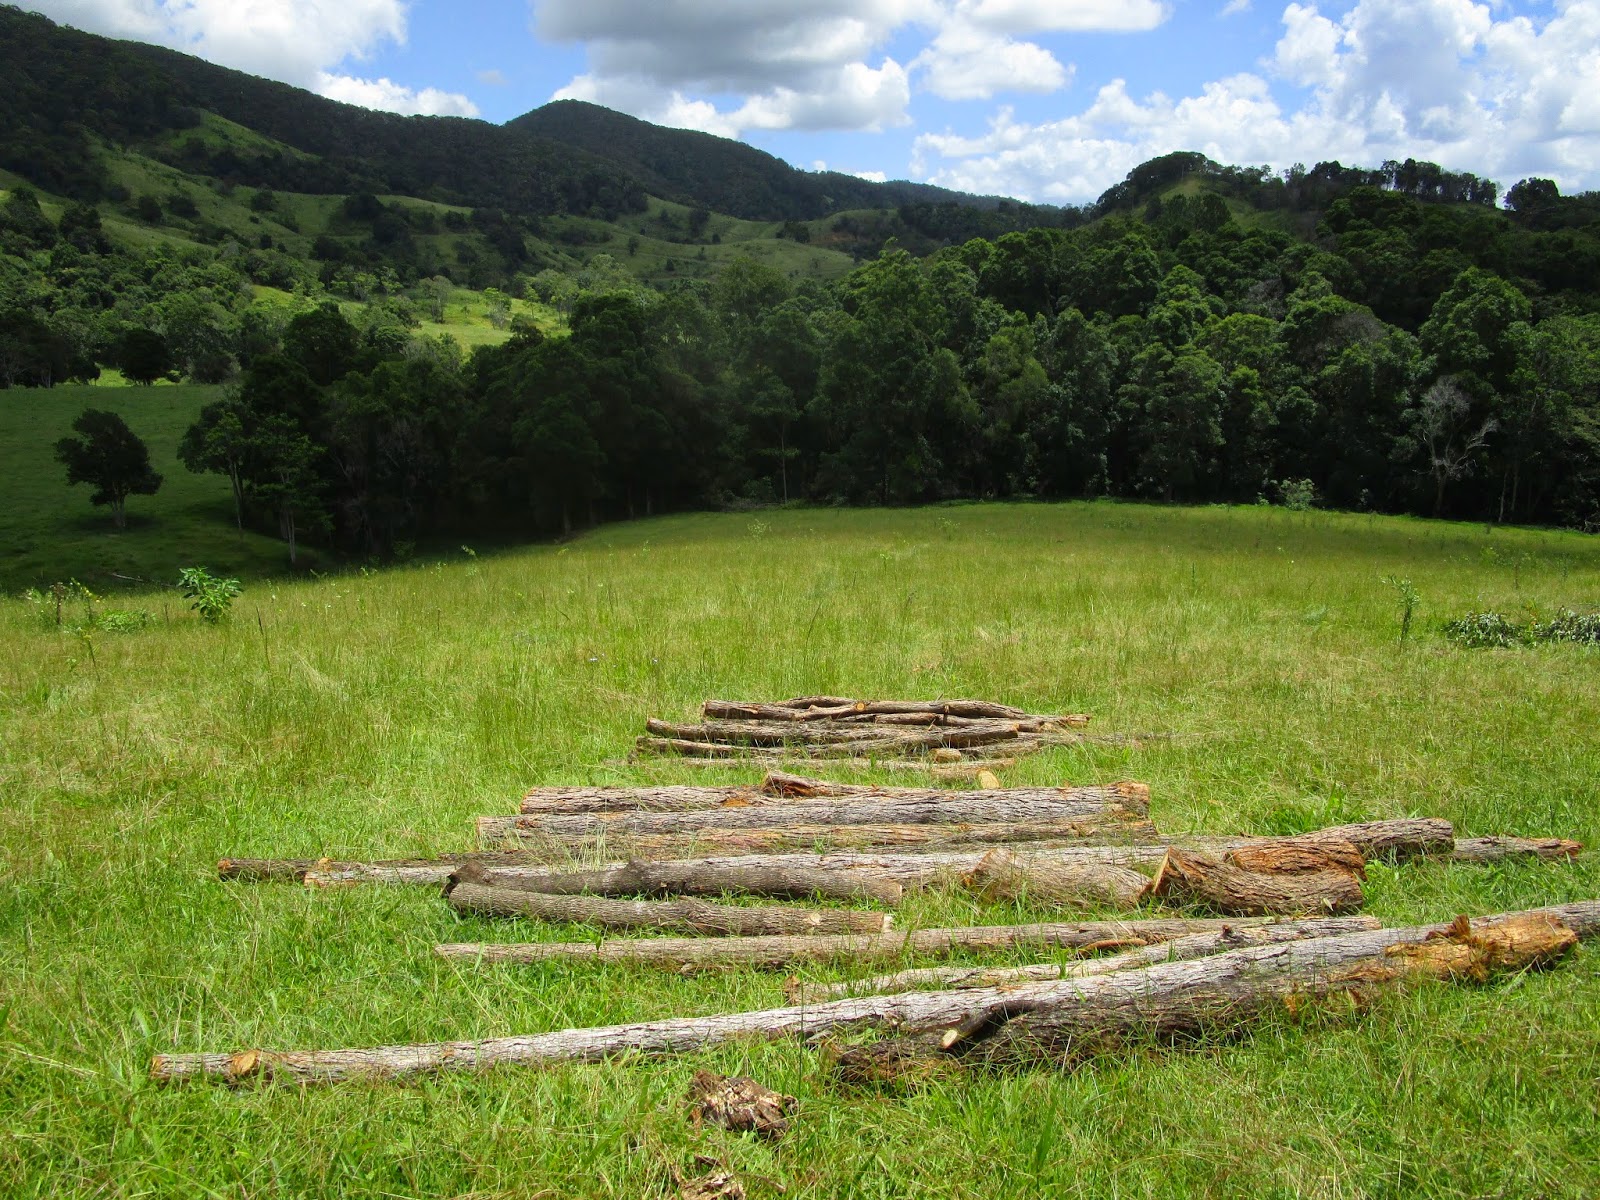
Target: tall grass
376, 714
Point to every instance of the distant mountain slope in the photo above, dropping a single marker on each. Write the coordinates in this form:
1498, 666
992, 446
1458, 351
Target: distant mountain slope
719, 173
64, 90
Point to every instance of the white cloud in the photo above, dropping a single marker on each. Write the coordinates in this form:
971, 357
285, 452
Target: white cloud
1064, 16
493, 78
296, 41
968, 62
1234, 7
388, 96
1430, 79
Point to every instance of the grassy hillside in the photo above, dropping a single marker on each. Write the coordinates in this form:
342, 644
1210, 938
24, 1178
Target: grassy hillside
51, 533
377, 714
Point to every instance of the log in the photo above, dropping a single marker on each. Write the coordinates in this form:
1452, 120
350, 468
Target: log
1178, 950
1493, 849
917, 730
787, 791
1315, 883
1218, 991
1400, 839
685, 915
901, 766
1220, 994
689, 878
739, 840
1002, 875
833, 707
1114, 804
773, 952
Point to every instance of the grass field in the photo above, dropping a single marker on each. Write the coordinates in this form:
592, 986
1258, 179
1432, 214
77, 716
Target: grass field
376, 714
51, 533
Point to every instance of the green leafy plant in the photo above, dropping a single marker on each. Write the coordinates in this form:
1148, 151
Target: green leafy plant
1480, 629
1409, 598
208, 594
1298, 495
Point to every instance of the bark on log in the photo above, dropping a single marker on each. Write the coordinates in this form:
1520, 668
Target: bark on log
901, 766
685, 915
1052, 1019
911, 730
1003, 875
1116, 804
741, 840
1297, 880
640, 878
1178, 950
834, 707
795, 790
773, 952
1493, 849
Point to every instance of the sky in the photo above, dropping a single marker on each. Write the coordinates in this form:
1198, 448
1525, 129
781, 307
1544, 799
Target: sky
1051, 101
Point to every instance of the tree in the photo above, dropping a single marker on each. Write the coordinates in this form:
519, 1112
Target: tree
1448, 435
111, 457
145, 357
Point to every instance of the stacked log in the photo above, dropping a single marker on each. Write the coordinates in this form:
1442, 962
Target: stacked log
835, 727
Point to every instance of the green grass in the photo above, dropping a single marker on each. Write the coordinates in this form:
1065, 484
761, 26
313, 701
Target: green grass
377, 714
51, 533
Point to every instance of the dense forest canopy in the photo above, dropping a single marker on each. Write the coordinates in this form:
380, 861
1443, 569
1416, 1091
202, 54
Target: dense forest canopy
1395, 338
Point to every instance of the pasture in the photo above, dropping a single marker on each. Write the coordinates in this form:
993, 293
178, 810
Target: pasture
374, 714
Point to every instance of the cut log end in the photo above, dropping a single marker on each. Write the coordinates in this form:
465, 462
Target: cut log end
1296, 880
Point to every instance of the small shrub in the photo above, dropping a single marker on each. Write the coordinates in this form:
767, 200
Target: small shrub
1480, 629
1568, 626
208, 595
1298, 495
122, 620
1409, 598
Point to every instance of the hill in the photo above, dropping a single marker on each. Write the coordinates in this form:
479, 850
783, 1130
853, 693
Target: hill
719, 173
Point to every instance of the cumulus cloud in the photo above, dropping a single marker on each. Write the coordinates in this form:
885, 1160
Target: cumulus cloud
296, 41
794, 64
1437, 79
968, 62
1064, 16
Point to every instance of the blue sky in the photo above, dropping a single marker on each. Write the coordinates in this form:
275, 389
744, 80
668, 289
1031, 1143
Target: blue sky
1049, 100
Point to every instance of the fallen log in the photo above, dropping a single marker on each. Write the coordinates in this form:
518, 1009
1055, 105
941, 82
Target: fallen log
1218, 995
689, 878
739, 840
899, 766
1493, 849
685, 915
1001, 1024
1260, 881
910, 731
867, 749
1178, 950
1003, 875
1116, 803
772, 952
815, 708
786, 791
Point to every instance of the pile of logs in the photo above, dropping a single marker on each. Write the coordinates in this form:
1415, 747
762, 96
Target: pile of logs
1151, 934
905, 734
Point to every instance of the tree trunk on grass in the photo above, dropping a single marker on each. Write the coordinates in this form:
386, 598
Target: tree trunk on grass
1493, 849
684, 915
740, 840
1117, 804
1261, 881
1003, 875
823, 708
773, 952
1058, 1021
910, 730
1178, 950
690, 878
566, 802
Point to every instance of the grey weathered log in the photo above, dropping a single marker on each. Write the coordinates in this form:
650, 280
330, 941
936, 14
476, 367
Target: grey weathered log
1178, 950
831, 707
786, 791
689, 878
1494, 849
1004, 875
1225, 884
774, 952
740, 840
1004, 1023
898, 731
925, 767
1117, 803
685, 914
